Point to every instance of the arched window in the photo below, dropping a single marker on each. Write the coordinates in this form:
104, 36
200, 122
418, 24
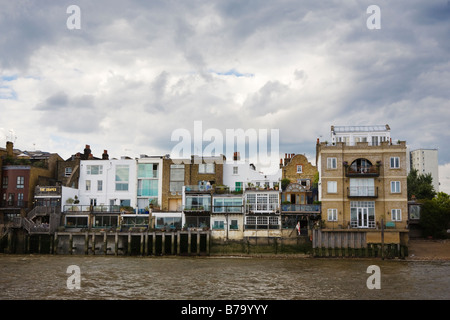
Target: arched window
361, 165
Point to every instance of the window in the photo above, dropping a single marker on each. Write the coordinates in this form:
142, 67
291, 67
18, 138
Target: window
332, 186
5, 182
331, 163
176, 177
20, 182
100, 185
332, 214
93, 202
94, 169
148, 187
122, 176
299, 168
206, 168
235, 170
238, 186
218, 224
20, 199
148, 170
88, 185
395, 187
396, 215
227, 204
395, 162
67, 171
234, 225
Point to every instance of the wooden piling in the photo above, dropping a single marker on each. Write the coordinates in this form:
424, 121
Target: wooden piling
70, 243
172, 245
93, 243
142, 244
146, 243
189, 242
129, 243
178, 242
163, 243
55, 243
116, 244
198, 243
86, 243
105, 244
153, 243
207, 243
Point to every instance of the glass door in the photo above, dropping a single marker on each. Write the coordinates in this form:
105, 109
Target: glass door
363, 217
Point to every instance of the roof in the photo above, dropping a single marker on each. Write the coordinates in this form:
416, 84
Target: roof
360, 128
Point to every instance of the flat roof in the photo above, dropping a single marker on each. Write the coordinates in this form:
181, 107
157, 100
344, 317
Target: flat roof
360, 128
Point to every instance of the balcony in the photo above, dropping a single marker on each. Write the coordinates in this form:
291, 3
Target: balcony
362, 192
197, 208
303, 208
91, 209
362, 171
199, 188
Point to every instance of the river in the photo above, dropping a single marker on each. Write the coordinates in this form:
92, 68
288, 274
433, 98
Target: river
30, 277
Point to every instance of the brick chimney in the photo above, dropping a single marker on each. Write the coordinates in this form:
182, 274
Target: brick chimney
9, 149
105, 155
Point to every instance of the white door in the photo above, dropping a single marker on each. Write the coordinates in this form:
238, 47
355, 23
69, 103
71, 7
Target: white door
363, 217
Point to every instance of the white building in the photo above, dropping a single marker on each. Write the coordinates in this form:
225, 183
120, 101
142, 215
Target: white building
239, 175
108, 182
426, 161
149, 181
350, 135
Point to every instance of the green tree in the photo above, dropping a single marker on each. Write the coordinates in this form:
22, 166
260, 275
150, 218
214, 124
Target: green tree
420, 185
435, 216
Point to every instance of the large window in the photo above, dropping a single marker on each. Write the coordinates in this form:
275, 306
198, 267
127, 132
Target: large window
168, 222
198, 202
176, 177
147, 188
147, 170
332, 214
362, 187
102, 221
396, 215
227, 205
122, 177
94, 169
262, 222
362, 214
262, 202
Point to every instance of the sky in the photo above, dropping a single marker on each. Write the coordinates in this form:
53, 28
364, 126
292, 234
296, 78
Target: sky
123, 76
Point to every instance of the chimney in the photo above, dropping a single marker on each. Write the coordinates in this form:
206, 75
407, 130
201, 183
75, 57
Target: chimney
87, 151
281, 163
9, 149
90, 157
105, 155
237, 156
318, 141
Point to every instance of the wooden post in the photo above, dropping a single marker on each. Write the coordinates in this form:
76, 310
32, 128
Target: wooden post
198, 242
178, 242
129, 243
146, 243
71, 243
163, 243
207, 242
55, 243
172, 247
116, 244
189, 242
105, 244
153, 243
93, 243
86, 243
142, 244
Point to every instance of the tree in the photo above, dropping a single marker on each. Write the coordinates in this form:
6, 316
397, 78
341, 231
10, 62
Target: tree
435, 216
420, 185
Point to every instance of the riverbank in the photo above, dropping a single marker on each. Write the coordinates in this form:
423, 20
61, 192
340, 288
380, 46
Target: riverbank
424, 249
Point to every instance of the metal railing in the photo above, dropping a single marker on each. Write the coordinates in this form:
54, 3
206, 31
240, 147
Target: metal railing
316, 208
91, 209
359, 171
362, 192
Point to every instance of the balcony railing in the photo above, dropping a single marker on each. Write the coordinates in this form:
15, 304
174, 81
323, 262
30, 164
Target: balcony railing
197, 208
197, 188
314, 208
362, 171
91, 209
362, 192
228, 209
262, 208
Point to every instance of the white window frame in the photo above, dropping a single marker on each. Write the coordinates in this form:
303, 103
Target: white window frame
89, 169
299, 166
88, 185
396, 214
394, 163
331, 186
235, 170
396, 187
332, 163
99, 185
67, 171
332, 214
207, 168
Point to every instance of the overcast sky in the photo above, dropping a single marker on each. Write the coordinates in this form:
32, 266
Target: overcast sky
136, 71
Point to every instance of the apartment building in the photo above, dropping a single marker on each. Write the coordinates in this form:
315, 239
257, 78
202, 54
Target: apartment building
425, 161
362, 184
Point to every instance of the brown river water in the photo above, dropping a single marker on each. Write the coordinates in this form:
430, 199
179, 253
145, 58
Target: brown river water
45, 277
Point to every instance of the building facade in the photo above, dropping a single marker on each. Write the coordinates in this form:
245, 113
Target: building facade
362, 187
425, 161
